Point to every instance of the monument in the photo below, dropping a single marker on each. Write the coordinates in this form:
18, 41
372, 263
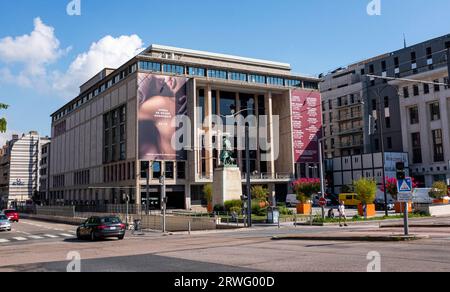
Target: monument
227, 183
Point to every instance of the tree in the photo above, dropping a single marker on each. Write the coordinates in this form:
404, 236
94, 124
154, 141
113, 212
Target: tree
208, 192
366, 191
3, 122
439, 190
260, 193
305, 188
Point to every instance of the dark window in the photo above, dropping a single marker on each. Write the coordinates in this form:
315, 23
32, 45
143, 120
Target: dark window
169, 173
144, 168
438, 148
389, 143
426, 88
386, 101
416, 147
413, 57
429, 53
435, 113
405, 92
374, 105
416, 90
437, 87
414, 115
181, 170
388, 122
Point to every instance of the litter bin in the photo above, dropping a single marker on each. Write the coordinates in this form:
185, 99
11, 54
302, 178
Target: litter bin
273, 215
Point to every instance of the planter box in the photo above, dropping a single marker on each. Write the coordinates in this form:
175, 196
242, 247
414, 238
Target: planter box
400, 207
371, 212
210, 208
440, 201
304, 209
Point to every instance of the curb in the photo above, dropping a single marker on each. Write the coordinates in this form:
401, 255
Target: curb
417, 226
368, 238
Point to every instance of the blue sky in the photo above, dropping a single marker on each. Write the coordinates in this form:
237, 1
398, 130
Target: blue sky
313, 35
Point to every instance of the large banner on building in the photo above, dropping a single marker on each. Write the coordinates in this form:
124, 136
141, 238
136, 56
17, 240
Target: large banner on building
161, 99
306, 125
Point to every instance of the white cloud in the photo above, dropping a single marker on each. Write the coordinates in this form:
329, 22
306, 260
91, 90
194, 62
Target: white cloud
108, 52
35, 50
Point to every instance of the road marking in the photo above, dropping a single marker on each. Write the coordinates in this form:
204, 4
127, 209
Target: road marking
35, 237
4, 240
20, 238
50, 236
66, 235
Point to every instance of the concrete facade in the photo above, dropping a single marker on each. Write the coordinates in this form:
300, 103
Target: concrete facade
80, 175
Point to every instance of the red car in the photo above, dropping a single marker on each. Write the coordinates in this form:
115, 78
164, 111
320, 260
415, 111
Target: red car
12, 215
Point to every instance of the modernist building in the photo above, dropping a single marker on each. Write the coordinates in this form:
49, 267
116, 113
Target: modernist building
424, 109
44, 165
19, 169
123, 121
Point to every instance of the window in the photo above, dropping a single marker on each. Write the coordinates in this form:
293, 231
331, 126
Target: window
147, 66
437, 88
388, 122
144, 168
256, 79
435, 113
181, 170
389, 142
174, 69
275, 81
293, 83
386, 102
405, 92
438, 148
416, 90
169, 170
193, 71
426, 88
416, 147
311, 85
374, 104
114, 135
157, 169
414, 115
238, 76
219, 74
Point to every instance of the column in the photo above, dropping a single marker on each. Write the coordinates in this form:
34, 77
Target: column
208, 131
269, 110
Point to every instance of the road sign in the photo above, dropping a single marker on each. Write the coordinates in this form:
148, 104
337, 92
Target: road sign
404, 197
405, 186
322, 202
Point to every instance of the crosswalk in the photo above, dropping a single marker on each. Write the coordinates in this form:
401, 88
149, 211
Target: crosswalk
36, 237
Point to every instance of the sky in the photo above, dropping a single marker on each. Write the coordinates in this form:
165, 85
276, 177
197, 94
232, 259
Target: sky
46, 54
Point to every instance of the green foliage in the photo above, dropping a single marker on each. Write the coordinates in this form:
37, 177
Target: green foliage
285, 211
237, 210
347, 189
439, 190
232, 204
208, 192
305, 188
219, 208
260, 193
3, 122
257, 210
366, 190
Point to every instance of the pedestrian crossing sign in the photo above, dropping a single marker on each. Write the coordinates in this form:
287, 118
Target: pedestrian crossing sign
404, 186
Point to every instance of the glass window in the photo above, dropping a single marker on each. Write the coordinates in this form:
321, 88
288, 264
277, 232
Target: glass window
435, 113
181, 170
169, 170
219, 74
175, 69
238, 76
156, 169
194, 71
414, 115
275, 81
417, 148
144, 168
438, 146
257, 79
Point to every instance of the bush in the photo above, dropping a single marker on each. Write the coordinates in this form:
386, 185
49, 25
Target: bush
233, 203
237, 210
439, 190
208, 192
257, 210
285, 211
366, 189
259, 193
219, 208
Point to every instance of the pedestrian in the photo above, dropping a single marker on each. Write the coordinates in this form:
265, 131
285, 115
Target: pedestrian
342, 215
331, 213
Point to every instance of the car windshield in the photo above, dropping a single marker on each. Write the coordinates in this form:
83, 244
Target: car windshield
110, 220
3, 217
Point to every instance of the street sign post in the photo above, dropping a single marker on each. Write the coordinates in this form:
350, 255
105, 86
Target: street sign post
322, 202
405, 189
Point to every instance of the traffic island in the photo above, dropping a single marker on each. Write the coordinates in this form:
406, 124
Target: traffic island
364, 238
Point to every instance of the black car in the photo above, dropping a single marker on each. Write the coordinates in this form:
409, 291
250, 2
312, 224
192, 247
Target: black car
102, 227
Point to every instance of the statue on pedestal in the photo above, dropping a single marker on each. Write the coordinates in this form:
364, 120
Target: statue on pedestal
226, 156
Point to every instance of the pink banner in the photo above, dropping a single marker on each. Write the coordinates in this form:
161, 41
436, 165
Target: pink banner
306, 125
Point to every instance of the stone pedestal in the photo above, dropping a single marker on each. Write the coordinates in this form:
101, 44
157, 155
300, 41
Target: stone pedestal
227, 185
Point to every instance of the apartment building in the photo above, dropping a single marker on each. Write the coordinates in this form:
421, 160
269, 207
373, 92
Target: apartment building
19, 169
117, 133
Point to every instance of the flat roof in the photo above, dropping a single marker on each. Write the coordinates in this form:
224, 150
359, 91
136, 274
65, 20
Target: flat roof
217, 56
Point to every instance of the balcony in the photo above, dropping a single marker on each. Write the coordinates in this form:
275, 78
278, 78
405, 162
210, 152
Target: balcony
354, 130
255, 177
353, 144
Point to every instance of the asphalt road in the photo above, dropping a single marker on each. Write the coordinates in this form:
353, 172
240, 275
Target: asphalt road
224, 251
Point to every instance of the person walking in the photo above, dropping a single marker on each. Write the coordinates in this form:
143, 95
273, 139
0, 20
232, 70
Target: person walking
342, 215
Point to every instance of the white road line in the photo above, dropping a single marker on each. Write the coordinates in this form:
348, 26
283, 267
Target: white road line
50, 236
20, 238
35, 237
73, 232
66, 235
4, 240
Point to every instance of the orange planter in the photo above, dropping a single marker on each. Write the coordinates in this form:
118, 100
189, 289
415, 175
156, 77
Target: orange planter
400, 207
440, 201
371, 212
210, 208
303, 209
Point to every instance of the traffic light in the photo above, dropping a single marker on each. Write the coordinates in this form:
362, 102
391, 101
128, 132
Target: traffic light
373, 125
400, 168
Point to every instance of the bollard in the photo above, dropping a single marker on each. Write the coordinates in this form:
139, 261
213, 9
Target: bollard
189, 227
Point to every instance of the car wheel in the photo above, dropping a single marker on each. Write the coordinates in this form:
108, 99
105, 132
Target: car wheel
93, 237
78, 235
121, 237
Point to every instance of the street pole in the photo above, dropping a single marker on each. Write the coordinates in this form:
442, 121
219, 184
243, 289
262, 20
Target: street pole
163, 202
383, 162
147, 199
322, 182
248, 184
406, 218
